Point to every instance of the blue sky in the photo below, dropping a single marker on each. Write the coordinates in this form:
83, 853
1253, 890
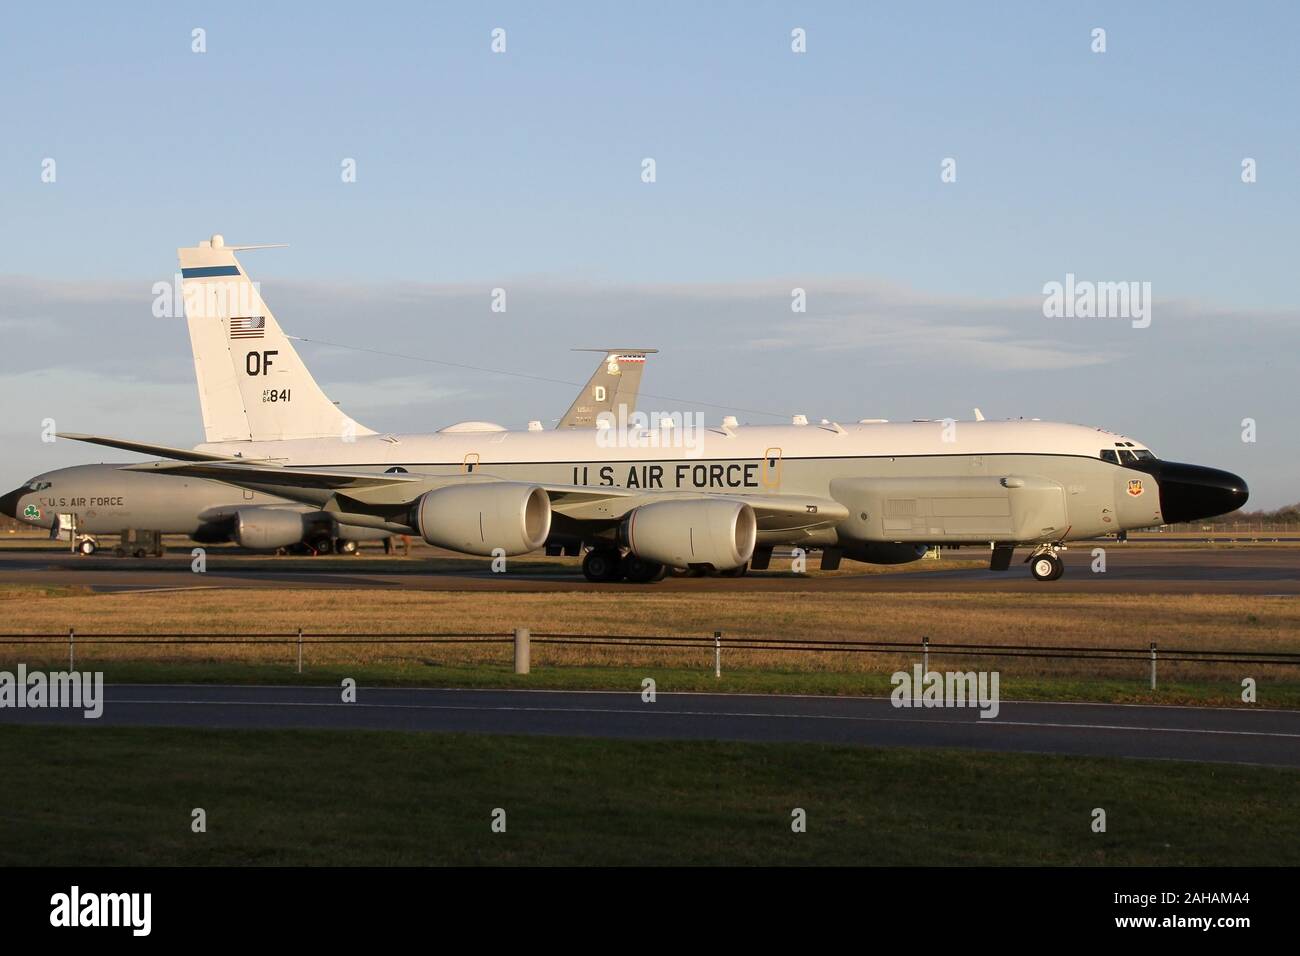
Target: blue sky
522, 170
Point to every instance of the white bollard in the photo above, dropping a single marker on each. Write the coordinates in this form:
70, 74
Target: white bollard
522, 654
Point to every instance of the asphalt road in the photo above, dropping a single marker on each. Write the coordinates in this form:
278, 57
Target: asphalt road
1143, 569
1223, 735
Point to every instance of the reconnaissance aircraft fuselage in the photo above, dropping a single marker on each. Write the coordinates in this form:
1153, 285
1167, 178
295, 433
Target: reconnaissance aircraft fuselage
876, 492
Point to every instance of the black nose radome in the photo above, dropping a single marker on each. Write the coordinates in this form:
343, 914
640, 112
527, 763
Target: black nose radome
1192, 492
9, 502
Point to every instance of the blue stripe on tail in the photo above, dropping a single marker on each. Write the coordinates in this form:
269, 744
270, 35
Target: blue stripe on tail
207, 272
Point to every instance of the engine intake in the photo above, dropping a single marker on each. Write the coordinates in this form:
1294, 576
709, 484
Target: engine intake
479, 517
697, 531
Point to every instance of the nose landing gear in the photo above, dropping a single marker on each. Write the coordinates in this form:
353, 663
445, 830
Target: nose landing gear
1045, 562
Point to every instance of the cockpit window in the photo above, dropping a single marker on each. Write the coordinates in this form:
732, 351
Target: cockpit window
35, 485
1126, 455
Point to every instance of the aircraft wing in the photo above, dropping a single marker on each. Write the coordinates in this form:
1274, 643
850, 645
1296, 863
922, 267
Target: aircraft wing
162, 451
238, 472
382, 492
794, 512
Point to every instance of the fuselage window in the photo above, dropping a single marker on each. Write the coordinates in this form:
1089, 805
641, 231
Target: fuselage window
1126, 456
1108, 454
1144, 454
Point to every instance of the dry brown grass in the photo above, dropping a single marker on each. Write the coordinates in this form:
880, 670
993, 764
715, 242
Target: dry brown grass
1128, 621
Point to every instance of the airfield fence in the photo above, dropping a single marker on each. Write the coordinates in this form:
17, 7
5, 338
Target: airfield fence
521, 640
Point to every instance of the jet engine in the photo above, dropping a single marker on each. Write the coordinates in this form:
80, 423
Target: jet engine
265, 529
696, 531
479, 517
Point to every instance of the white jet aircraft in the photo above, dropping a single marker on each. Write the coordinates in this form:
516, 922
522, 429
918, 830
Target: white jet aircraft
644, 497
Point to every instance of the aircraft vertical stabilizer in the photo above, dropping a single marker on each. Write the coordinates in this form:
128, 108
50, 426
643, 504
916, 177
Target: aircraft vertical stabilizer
613, 385
252, 384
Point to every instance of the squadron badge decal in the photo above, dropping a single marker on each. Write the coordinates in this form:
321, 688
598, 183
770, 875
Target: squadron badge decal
1135, 487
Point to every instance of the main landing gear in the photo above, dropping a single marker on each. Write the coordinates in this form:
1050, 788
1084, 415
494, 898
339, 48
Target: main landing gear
602, 564
608, 564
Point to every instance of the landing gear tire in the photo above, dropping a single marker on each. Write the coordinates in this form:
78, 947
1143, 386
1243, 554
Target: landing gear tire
322, 545
345, 546
738, 572
602, 565
640, 571
87, 547
1046, 567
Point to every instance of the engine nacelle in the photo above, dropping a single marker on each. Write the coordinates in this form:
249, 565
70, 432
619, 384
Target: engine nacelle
265, 529
479, 517
882, 552
696, 531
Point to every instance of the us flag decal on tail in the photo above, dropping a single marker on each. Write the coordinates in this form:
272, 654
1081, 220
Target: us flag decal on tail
253, 327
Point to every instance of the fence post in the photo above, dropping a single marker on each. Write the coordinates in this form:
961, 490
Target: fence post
72, 650
1153, 665
522, 654
299, 650
925, 657
717, 653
